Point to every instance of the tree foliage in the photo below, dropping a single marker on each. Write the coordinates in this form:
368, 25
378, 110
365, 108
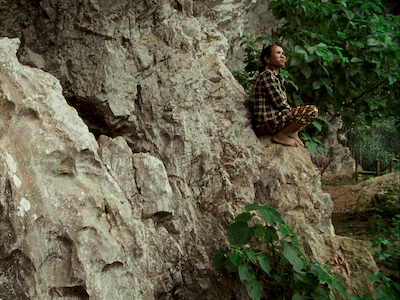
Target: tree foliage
343, 56
378, 140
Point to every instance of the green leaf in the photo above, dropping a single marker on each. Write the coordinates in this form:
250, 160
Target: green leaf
317, 125
220, 259
374, 278
297, 296
305, 281
324, 69
299, 49
270, 215
231, 268
329, 90
322, 46
273, 4
295, 61
324, 293
246, 273
387, 293
350, 15
270, 234
323, 120
283, 230
340, 288
279, 279
306, 70
250, 254
291, 253
312, 147
254, 289
236, 258
391, 79
373, 42
239, 234
309, 58
260, 232
250, 207
244, 217
263, 260
356, 60
316, 85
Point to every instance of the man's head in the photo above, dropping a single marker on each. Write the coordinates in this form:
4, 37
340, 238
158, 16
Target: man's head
273, 57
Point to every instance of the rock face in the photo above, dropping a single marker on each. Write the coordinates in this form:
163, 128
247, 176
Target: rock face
128, 194
336, 163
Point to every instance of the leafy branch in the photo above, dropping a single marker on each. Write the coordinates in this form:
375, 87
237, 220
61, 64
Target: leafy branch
363, 94
268, 260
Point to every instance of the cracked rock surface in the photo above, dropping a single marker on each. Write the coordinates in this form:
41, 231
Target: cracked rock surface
126, 150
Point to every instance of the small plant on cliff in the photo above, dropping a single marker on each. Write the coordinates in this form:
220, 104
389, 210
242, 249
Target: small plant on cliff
268, 260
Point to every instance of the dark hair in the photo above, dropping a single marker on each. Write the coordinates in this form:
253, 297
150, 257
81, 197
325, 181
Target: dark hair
266, 52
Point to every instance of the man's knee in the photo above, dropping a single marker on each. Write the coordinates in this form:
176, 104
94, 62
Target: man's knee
314, 109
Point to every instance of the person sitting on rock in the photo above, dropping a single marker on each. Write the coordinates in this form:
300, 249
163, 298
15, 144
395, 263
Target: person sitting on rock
272, 113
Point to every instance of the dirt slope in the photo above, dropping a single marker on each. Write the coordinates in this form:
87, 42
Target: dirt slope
353, 204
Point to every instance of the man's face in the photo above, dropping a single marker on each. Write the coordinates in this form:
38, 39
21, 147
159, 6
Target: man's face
277, 59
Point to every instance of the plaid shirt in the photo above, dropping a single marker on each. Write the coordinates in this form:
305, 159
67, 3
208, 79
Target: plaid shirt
270, 99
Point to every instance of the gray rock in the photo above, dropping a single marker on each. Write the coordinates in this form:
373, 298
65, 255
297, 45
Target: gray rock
128, 194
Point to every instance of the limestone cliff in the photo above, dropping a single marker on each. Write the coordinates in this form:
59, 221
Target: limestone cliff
127, 194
